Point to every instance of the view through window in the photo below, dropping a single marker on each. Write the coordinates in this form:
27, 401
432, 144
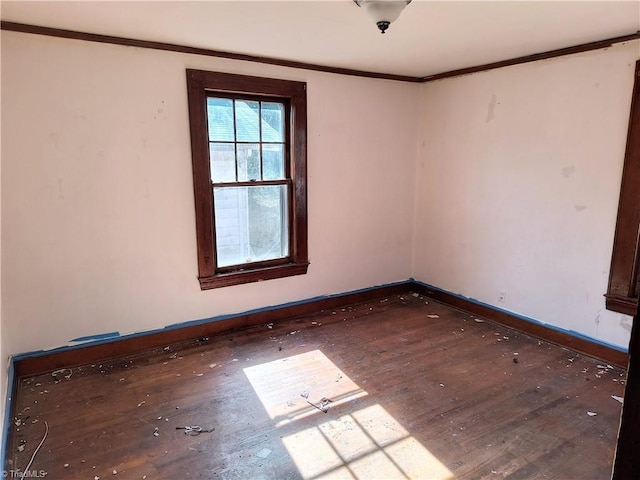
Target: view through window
251, 191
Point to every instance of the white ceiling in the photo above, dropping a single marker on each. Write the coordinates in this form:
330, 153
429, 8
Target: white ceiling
429, 37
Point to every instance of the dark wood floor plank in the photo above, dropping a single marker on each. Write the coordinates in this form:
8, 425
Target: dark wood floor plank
416, 390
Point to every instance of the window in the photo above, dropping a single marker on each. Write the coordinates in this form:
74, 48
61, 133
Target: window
624, 277
248, 142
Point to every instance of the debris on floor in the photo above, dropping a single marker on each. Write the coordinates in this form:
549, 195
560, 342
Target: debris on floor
323, 406
592, 414
619, 399
264, 453
195, 430
61, 372
432, 315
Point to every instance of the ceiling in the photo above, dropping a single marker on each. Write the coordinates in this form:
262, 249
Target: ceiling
430, 36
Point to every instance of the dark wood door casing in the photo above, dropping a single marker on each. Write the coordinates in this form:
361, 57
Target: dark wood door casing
627, 461
622, 293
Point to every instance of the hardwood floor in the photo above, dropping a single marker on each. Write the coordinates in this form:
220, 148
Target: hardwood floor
404, 387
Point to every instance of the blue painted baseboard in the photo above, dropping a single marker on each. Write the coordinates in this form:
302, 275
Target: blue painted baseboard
572, 333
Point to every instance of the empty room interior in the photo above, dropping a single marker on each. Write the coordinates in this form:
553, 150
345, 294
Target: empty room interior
317, 239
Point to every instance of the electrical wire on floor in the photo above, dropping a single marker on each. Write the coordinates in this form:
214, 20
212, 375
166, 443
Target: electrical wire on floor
35, 452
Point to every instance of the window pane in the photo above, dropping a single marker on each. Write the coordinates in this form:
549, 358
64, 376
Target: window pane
223, 162
220, 117
248, 161
247, 124
272, 122
272, 161
251, 224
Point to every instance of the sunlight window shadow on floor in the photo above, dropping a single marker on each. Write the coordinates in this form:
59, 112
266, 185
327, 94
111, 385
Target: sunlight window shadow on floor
352, 439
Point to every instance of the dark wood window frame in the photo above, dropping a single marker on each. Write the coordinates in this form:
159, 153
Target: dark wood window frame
201, 84
624, 278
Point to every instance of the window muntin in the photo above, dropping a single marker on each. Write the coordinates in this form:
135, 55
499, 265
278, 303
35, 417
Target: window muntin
248, 139
242, 148
247, 142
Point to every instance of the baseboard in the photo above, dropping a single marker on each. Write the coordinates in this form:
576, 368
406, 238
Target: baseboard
571, 340
34, 363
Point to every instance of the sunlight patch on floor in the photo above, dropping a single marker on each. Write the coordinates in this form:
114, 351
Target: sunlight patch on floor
366, 443
311, 374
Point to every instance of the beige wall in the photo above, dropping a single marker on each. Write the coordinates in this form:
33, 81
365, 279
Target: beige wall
513, 176
518, 178
98, 229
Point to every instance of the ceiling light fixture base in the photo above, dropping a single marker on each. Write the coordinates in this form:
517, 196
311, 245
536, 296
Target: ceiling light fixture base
383, 12
383, 26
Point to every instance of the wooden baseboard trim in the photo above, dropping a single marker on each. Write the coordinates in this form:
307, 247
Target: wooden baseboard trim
581, 345
68, 357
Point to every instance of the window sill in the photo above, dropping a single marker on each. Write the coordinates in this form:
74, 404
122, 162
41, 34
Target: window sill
249, 276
